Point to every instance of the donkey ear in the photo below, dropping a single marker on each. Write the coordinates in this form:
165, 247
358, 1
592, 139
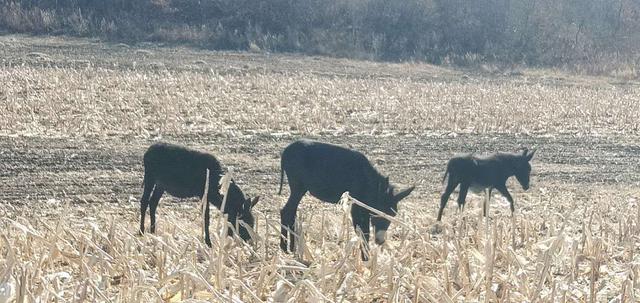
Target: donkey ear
530, 154
254, 201
403, 193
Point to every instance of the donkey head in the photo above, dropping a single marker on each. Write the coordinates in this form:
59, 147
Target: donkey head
246, 215
388, 197
522, 167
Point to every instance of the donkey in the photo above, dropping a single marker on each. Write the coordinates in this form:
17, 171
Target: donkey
181, 172
485, 172
326, 171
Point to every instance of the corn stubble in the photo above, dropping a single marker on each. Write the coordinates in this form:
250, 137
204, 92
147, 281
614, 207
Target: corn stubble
95, 101
74, 252
70, 256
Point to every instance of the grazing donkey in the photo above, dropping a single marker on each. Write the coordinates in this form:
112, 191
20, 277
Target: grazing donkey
485, 172
327, 171
182, 173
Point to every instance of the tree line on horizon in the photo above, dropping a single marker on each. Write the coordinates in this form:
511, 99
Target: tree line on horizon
595, 34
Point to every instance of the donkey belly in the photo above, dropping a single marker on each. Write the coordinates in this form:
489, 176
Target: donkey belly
330, 196
182, 190
181, 193
478, 188
327, 187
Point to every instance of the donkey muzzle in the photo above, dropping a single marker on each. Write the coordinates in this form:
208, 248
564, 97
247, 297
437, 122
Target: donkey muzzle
380, 236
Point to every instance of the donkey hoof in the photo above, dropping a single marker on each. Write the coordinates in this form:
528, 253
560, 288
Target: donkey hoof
283, 246
436, 229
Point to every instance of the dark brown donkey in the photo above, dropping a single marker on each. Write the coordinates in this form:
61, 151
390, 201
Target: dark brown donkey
485, 172
326, 171
182, 173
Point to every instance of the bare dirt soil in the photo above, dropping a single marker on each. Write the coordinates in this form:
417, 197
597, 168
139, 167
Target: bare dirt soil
35, 169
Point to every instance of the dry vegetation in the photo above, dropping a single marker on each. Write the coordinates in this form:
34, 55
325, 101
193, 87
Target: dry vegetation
94, 101
568, 242
138, 92
544, 254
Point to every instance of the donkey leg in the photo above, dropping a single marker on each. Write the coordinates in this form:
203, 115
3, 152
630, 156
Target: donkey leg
153, 205
503, 190
462, 195
288, 219
362, 221
451, 185
207, 237
144, 202
487, 201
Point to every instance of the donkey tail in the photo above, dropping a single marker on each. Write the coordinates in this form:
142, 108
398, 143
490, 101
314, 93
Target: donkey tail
446, 173
281, 179
146, 178
445, 176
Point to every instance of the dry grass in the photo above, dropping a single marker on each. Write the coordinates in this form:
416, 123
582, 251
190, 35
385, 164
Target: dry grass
93, 252
93, 101
142, 92
565, 243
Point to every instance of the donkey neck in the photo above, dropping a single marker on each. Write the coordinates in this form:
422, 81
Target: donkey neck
505, 163
508, 162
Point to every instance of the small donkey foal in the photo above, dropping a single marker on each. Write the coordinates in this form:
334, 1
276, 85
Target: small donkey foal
485, 172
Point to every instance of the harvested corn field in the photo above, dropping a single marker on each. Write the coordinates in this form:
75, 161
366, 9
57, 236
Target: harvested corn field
76, 116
